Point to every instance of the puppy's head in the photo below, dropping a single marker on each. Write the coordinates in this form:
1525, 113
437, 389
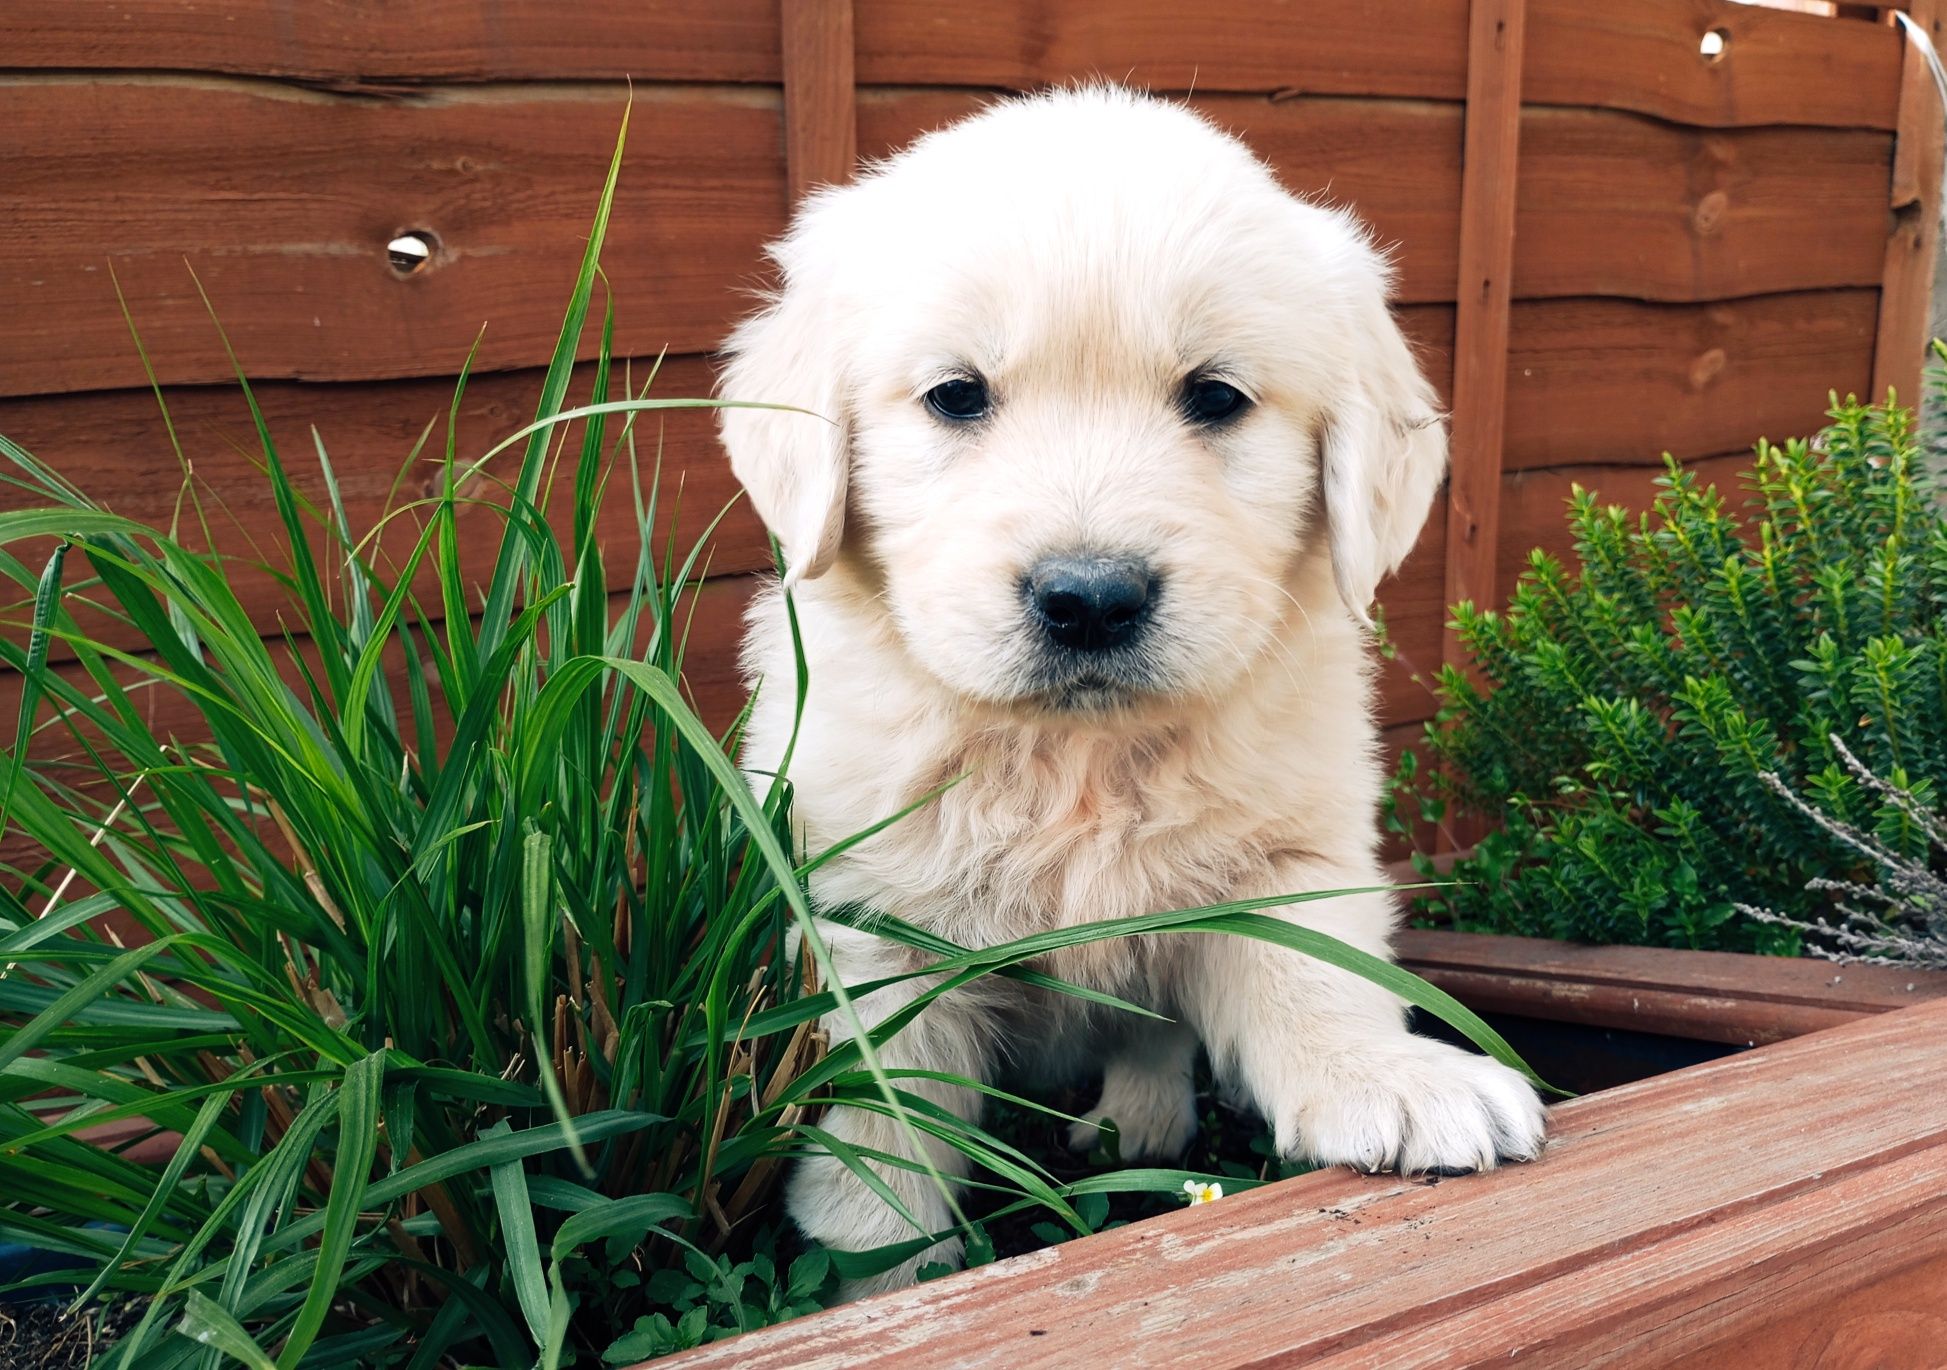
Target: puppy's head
1095, 388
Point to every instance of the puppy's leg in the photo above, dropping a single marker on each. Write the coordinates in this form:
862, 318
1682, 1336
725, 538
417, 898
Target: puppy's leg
1327, 1059
1149, 1091
833, 1206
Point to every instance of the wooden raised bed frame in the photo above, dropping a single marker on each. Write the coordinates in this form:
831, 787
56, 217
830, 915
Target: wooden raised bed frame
1787, 1205
1702, 996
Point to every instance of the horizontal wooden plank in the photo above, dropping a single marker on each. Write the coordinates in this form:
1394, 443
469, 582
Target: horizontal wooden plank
1897, 1323
1708, 996
1614, 204
1815, 1288
1619, 381
1774, 67
283, 202
114, 446
1674, 1217
337, 42
1374, 47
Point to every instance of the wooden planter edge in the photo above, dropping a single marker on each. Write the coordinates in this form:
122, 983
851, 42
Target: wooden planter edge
1707, 996
1787, 1204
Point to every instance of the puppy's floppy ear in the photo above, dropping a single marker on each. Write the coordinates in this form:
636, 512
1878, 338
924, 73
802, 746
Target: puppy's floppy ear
1385, 451
794, 465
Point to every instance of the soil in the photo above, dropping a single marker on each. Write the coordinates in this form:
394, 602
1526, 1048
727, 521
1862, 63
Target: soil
42, 1336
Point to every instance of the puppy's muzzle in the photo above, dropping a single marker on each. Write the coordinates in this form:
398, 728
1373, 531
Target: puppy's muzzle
1091, 604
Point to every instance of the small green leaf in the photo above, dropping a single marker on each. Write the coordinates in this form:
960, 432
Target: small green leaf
809, 1273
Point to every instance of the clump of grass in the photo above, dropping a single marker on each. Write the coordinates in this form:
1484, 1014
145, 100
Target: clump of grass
452, 976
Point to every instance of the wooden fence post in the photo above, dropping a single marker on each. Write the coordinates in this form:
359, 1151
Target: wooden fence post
1490, 159
821, 141
1480, 353
1906, 284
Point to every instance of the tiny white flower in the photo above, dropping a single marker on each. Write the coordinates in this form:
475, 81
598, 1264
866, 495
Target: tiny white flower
1201, 1193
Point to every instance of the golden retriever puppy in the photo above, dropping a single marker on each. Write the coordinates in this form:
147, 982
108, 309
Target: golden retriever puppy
1121, 440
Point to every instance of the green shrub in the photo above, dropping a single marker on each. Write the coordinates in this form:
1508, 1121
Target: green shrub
1628, 710
459, 967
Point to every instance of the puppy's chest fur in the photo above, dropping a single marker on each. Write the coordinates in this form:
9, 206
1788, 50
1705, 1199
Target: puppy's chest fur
1050, 830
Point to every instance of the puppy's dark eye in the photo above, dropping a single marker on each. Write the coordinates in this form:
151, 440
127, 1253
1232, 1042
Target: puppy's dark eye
959, 400
1207, 400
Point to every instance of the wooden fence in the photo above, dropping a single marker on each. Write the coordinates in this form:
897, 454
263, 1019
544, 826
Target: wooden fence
1622, 228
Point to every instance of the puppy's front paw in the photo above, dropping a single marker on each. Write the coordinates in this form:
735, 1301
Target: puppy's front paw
1415, 1107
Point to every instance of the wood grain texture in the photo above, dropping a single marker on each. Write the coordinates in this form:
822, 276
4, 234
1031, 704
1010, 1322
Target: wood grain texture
1899, 1325
1615, 204
1482, 297
115, 448
352, 43
1677, 1216
1777, 67
821, 136
1620, 381
1643, 56
1409, 48
282, 202
1780, 68
1907, 280
1706, 996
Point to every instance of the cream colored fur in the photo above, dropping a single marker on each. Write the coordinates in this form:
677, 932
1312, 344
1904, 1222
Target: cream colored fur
1084, 252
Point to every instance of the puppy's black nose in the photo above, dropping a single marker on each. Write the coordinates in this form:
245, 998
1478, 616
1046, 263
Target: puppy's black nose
1089, 603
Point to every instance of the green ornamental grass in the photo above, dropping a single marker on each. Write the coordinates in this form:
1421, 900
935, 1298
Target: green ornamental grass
453, 967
